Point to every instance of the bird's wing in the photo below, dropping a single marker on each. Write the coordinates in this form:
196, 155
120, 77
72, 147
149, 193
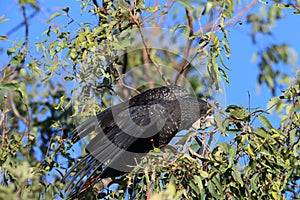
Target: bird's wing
111, 144
149, 97
103, 120
129, 125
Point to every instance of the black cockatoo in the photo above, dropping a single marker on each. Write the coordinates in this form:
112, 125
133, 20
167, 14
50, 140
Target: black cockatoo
127, 131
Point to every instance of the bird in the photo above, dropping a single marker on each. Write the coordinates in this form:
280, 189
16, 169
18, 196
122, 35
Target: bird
129, 130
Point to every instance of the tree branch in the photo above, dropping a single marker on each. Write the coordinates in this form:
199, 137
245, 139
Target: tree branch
15, 110
184, 64
233, 20
158, 68
14, 29
26, 25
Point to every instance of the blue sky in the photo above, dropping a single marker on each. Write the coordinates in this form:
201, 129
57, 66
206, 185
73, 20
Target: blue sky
243, 74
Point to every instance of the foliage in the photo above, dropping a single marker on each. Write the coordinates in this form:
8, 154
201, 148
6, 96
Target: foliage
71, 72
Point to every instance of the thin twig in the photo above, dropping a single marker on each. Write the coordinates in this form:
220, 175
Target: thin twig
26, 26
163, 18
3, 121
8, 74
14, 29
147, 69
151, 38
15, 110
290, 116
233, 20
148, 191
184, 64
185, 146
28, 120
48, 149
95, 3
242, 13
158, 68
289, 121
121, 81
4, 68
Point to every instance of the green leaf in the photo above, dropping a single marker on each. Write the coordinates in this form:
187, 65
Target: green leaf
227, 48
10, 51
253, 182
208, 7
221, 124
212, 189
250, 152
213, 70
265, 121
186, 4
153, 9
66, 9
203, 174
263, 2
282, 5
194, 187
261, 132
238, 112
54, 15
273, 102
20, 87
297, 11
176, 27
217, 181
17, 59
3, 37
198, 181
237, 176
232, 153
69, 78
31, 2
224, 75
183, 139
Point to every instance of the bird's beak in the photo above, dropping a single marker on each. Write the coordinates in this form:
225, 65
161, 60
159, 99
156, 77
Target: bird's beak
209, 121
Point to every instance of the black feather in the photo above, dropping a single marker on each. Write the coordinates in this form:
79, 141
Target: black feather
127, 131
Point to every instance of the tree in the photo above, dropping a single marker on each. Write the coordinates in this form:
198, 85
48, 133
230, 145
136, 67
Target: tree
122, 47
